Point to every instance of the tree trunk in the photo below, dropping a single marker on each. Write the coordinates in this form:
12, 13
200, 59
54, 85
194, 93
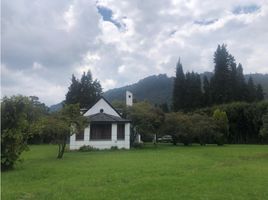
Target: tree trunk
61, 149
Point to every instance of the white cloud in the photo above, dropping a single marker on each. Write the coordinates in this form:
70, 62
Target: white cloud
108, 84
66, 37
37, 66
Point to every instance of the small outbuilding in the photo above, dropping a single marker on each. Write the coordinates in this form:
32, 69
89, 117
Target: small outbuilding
106, 127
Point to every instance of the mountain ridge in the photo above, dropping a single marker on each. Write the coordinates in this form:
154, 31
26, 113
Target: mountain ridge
157, 89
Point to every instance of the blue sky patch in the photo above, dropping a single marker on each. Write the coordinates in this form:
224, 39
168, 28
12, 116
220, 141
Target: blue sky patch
107, 15
246, 9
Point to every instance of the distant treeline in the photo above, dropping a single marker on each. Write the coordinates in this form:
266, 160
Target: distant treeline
227, 84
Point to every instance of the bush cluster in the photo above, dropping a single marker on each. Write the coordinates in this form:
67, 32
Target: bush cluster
86, 148
196, 128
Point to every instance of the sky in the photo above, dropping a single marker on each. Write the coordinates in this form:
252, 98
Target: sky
44, 42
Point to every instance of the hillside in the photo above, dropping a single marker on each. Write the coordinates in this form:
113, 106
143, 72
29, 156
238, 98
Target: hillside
157, 89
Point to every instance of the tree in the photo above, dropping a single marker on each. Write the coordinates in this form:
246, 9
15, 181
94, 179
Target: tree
207, 92
164, 107
193, 93
73, 94
61, 125
223, 125
85, 92
264, 130
259, 93
179, 88
251, 90
179, 126
17, 115
233, 78
221, 82
146, 119
240, 84
205, 129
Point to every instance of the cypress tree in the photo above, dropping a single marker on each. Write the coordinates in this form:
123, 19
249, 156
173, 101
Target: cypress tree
259, 93
221, 81
207, 92
73, 94
179, 88
233, 79
251, 90
241, 84
85, 92
193, 92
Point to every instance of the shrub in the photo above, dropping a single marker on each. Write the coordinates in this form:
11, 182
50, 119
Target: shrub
86, 148
16, 120
137, 145
245, 120
114, 148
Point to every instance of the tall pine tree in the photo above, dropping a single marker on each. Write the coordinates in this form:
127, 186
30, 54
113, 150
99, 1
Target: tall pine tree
179, 88
207, 92
241, 84
85, 92
251, 90
221, 81
259, 93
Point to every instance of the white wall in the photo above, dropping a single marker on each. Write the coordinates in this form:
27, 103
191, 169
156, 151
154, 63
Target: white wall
101, 104
103, 144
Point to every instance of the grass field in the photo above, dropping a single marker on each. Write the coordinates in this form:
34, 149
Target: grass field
166, 172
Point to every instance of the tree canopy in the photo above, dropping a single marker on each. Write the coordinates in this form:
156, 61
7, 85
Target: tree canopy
60, 125
85, 91
18, 113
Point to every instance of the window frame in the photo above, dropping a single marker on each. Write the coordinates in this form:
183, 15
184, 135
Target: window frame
107, 126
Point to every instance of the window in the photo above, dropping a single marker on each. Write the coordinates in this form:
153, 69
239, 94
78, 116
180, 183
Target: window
80, 135
120, 131
100, 132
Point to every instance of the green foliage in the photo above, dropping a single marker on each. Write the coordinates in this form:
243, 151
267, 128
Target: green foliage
180, 127
156, 89
17, 115
264, 130
138, 145
222, 122
146, 119
179, 88
189, 128
245, 120
86, 148
60, 125
207, 92
187, 93
227, 84
160, 88
85, 91
205, 129
114, 148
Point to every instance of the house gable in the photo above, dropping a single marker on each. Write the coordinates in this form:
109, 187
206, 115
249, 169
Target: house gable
102, 106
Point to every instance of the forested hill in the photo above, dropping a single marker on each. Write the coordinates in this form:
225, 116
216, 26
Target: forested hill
157, 89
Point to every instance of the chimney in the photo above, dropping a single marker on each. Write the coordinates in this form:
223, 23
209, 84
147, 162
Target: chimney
129, 98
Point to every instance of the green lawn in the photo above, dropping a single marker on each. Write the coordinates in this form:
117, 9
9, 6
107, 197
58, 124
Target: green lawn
167, 172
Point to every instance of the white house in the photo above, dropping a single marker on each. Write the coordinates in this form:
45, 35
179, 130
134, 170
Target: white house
106, 127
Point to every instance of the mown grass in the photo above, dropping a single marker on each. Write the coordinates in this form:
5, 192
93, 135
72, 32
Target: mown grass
165, 172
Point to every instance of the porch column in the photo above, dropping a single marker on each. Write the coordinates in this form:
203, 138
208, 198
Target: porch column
114, 133
72, 142
127, 135
87, 133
